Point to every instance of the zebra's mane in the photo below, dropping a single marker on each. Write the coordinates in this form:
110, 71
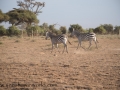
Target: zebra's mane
77, 33
51, 35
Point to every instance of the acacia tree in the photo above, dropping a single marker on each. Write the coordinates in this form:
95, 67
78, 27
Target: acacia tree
3, 17
18, 16
31, 5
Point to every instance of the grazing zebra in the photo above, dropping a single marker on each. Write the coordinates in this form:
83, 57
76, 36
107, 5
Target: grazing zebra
84, 37
57, 39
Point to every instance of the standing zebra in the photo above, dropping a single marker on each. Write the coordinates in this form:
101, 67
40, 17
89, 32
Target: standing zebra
57, 39
84, 37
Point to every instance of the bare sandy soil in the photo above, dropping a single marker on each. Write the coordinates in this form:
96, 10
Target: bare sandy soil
28, 64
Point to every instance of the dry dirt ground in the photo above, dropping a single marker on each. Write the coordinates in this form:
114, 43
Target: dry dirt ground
28, 64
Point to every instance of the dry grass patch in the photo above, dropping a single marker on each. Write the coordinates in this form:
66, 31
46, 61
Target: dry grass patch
1, 42
33, 63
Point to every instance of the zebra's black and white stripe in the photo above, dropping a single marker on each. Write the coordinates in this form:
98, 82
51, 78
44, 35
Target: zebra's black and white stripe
57, 39
84, 37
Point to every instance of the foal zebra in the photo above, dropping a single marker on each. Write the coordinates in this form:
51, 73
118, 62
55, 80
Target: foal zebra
57, 39
84, 37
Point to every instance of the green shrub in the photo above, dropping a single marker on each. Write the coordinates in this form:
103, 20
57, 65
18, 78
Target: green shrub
2, 31
13, 31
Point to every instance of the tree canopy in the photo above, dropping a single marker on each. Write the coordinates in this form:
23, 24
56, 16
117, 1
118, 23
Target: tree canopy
31, 5
100, 30
3, 17
18, 16
108, 28
76, 27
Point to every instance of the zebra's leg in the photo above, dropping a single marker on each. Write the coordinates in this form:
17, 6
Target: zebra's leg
96, 44
96, 41
52, 47
89, 44
66, 48
81, 45
78, 45
57, 48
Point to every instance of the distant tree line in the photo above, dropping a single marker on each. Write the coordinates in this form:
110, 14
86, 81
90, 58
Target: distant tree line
24, 22
40, 30
102, 29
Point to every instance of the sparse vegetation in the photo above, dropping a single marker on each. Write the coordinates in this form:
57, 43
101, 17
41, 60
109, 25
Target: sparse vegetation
1, 43
4, 37
33, 40
108, 36
17, 41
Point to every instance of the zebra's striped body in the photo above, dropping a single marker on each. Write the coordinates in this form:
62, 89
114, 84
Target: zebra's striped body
84, 37
57, 39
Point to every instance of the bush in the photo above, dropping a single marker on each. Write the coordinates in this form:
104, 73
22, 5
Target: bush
2, 31
100, 30
36, 30
13, 31
63, 30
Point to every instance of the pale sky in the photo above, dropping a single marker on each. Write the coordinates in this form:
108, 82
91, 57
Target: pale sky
87, 13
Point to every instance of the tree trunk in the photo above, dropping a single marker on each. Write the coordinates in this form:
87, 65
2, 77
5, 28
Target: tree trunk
22, 33
119, 32
32, 33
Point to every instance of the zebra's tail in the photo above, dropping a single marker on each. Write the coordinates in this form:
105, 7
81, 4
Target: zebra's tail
97, 40
69, 42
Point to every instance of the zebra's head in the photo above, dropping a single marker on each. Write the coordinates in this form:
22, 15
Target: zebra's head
73, 32
47, 35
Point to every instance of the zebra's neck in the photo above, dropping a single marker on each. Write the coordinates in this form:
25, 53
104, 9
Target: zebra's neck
77, 34
51, 35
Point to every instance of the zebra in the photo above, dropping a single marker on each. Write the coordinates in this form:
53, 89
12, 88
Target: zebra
57, 39
84, 37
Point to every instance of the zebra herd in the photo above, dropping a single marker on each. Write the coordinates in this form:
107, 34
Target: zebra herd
57, 39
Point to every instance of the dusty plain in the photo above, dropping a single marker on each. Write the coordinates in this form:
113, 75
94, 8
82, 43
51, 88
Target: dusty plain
28, 64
